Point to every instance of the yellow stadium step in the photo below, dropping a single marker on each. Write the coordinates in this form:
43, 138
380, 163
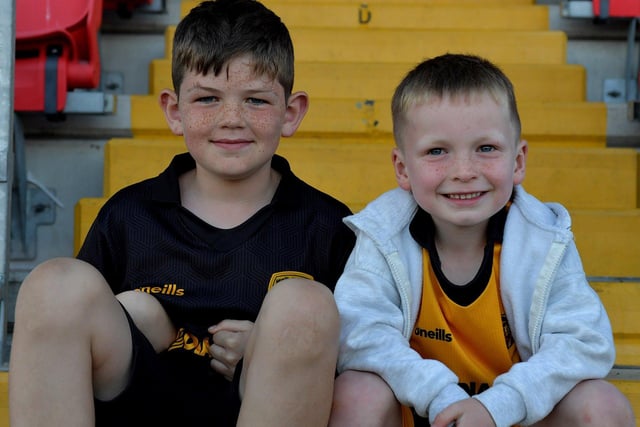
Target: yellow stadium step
4, 399
84, 213
589, 178
578, 124
620, 298
532, 82
610, 239
393, 45
599, 186
405, 15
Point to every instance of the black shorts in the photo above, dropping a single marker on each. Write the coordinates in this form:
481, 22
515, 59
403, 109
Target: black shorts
171, 389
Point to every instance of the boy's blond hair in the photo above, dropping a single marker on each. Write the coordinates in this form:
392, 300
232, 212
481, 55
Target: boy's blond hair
451, 75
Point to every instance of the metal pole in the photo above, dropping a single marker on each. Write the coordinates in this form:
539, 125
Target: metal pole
631, 72
7, 58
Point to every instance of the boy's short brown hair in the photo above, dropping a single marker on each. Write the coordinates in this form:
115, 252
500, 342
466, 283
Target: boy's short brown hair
217, 31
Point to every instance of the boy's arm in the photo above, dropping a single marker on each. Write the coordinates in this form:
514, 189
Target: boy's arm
570, 340
372, 338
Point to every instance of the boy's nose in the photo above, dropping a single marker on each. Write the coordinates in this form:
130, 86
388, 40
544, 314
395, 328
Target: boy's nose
230, 114
463, 168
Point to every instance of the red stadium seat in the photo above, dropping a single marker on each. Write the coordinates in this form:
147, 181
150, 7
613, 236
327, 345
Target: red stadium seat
616, 8
56, 51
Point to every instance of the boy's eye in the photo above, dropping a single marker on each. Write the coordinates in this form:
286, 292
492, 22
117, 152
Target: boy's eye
435, 152
256, 101
487, 148
206, 99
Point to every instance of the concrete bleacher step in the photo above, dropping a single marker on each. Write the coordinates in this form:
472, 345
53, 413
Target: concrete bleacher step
397, 45
4, 399
609, 238
532, 82
577, 124
536, 47
590, 178
620, 298
406, 15
599, 186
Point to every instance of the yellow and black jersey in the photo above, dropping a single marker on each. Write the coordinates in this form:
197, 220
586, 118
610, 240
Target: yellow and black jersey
465, 327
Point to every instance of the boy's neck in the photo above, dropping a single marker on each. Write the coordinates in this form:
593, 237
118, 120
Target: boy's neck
461, 251
227, 203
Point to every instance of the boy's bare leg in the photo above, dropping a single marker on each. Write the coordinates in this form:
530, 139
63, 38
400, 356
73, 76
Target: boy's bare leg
150, 318
591, 403
71, 341
289, 365
363, 399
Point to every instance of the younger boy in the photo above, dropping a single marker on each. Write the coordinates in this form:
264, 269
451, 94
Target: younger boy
461, 284
127, 327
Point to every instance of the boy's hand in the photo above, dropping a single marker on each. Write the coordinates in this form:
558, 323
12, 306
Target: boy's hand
465, 413
229, 342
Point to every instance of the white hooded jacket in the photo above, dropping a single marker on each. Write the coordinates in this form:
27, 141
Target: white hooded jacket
561, 329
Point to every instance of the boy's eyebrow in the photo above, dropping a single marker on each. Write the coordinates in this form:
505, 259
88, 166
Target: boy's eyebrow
198, 87
248, 91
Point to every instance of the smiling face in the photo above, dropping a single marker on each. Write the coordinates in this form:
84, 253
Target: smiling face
232, 122
460, 158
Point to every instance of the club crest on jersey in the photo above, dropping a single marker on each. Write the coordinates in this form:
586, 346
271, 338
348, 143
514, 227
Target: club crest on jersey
507, 331
281, 275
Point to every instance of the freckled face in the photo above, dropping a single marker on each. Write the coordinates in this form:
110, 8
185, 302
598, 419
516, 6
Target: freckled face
460, 159
232, 122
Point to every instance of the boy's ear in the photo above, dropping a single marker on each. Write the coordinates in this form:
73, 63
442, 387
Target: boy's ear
402, 176
168, 101
521, 162
297, 107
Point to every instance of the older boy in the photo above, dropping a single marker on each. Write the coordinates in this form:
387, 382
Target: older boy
123, 335
464, 294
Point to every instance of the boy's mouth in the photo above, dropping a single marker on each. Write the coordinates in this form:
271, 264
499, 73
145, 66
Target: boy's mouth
464, 196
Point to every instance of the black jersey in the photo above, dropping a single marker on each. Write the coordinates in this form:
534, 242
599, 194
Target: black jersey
143, 239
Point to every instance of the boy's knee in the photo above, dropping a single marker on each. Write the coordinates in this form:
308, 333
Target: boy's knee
302, 297
597, 403
61, 282
611, 406
59, 294
364, 389
363, 398
301, 308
